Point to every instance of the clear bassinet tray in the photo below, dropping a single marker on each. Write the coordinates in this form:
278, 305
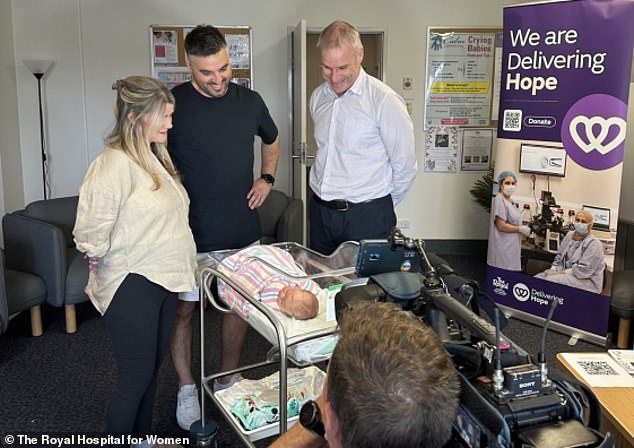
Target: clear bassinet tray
310, 340
340, 265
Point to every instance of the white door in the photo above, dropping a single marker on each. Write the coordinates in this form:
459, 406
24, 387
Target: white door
299, 160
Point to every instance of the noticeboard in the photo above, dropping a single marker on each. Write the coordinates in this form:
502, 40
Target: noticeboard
461, 98
169, 61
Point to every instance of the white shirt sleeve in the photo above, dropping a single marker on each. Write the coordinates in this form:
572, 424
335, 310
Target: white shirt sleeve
397, 133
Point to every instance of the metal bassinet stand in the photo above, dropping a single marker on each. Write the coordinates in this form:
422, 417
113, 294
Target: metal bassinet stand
325, 270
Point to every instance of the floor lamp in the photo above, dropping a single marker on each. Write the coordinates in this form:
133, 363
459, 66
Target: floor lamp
39, 68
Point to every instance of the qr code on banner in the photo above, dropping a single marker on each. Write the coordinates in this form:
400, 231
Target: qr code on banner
597, 368
512, 120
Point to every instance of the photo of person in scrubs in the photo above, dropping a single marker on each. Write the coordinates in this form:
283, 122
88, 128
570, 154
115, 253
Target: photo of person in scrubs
506, 228
579, 262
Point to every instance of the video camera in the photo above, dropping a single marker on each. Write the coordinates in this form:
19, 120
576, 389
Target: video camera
506, 399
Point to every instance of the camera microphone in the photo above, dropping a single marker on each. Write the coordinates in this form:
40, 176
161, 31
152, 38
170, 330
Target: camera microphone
498, 375
541, 356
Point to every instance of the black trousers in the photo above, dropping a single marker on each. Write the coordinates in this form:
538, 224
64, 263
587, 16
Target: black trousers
329, 227
139, 320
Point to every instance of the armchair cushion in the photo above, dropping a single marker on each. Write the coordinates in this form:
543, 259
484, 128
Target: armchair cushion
38, 240
76, 278
281, 218
19, 291
24, 290
623, 294
4, 310
60, 212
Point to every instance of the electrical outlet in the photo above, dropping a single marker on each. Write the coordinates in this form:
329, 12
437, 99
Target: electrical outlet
403, 224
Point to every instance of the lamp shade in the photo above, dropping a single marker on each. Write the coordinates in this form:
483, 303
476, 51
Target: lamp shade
38, 66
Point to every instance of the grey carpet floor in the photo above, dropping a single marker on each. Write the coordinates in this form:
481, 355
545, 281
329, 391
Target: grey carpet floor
60, 383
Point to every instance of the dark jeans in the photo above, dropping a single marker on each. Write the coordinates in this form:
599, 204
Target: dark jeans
329, 227
139, 320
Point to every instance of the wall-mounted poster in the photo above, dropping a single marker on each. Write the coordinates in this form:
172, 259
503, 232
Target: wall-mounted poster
165, 47
172, 76
497, 77
239, 50
460, 75
476, 149
441, 149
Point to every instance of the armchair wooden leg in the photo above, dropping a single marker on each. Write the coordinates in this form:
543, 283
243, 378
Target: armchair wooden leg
623, 338
71, 319
36, 321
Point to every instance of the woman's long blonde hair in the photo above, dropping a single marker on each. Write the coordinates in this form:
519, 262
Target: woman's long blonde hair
140, 104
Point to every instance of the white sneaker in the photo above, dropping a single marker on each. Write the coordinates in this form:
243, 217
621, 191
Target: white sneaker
187, 406
236, 377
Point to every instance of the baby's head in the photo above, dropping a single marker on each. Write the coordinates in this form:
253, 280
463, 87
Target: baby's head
297, 293
298, 303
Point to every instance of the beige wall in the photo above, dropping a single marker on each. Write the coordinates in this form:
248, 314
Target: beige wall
12, 193
94, 42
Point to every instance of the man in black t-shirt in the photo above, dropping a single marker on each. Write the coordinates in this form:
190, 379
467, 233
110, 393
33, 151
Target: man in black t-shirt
215, 124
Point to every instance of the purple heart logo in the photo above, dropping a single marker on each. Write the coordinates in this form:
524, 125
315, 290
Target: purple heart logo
593, 131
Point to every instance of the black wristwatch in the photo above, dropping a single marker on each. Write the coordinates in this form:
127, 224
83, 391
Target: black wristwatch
268, 178
310, 418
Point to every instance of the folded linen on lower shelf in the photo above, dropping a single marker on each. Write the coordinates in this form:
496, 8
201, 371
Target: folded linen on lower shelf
255, 403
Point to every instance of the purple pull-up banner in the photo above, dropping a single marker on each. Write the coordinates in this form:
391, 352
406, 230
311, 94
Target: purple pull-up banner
565, 79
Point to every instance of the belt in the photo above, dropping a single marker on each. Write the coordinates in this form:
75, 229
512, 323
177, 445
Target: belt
342, 204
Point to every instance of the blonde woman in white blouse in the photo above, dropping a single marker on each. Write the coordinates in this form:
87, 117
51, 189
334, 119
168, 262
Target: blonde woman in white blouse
132, 224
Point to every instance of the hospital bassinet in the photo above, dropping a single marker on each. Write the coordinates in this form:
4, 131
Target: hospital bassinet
303, 342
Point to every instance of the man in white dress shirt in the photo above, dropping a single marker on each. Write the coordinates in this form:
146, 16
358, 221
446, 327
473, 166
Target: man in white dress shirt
365, 161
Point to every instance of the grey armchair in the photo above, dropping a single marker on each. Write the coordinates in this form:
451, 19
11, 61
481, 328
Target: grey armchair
281, 218
39, 240
622, 305
20, 291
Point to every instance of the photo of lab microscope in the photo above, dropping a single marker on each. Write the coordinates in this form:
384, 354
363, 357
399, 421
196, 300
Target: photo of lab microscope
548, 227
